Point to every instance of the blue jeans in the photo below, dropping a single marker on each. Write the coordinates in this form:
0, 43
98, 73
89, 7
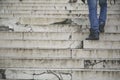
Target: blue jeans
94, 20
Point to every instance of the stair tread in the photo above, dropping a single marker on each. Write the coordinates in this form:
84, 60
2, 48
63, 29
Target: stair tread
55, 36
64, 69
89, 44
17, 53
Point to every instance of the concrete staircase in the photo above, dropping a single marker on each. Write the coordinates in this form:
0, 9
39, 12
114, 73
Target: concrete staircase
45, 40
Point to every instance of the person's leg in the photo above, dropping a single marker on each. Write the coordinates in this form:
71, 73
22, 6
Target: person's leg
103, 14
94, 22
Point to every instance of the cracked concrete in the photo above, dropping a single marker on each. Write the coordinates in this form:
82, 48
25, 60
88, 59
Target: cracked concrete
13, 24
101, 64
41, 75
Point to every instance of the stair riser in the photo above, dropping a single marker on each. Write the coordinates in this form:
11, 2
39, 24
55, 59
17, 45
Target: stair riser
48, 21
95, 54
53, 16
101, 45
63, 28
53, 7
41, 1
34, 54
60, 64
41, 63
65, 75
59, 54
60, 44
96, 75
55, 36
40, 44
66, 28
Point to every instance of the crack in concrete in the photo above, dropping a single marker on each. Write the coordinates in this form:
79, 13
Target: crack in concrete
70, 46
70, 36
57, 74
92, 63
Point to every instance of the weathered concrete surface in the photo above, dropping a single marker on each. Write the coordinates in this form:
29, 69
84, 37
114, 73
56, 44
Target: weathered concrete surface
55, 36
96, 75
47, 21
59, 44
49, 8
102, 64
43, 44
16, 74
35, 53
14, 25
62, 75
103, 37
28, 50
72, 28
38, 1
89, 44
60, 64
58, 28
95, 54
41, 75
39, 21
59, 54
41, 63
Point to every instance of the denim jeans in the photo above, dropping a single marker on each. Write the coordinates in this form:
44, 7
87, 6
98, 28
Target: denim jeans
95, 21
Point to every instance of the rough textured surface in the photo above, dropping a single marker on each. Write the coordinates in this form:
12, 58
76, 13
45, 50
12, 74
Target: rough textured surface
101, 44
43, 44
96, 75
45, 40
41, 75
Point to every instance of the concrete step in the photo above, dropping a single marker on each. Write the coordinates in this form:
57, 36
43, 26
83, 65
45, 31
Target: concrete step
17, 53
43, 44
48, 21
59, 44
53, 14
77, 17
96, 75
60, 64
65, 25
30, 11
55, 36
41, 63
49, 11
41, 1
64, 74
34, 4
54, 7
65, 28
95, 54
89, 44
35, 1
47, 15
